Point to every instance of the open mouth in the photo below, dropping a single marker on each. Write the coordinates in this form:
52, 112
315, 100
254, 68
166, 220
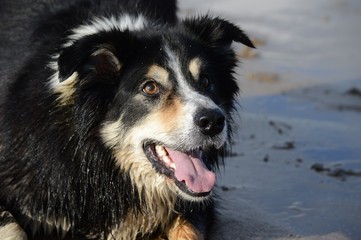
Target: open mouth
187, 169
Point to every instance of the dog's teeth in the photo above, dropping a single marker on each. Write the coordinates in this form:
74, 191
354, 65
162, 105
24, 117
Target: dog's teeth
158, 148
161, 151
166, 159
172, 165
164, 156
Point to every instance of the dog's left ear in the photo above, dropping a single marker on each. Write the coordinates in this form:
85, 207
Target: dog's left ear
85, 60
105, 61
216, 32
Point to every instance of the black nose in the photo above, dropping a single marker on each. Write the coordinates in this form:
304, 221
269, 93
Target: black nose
210, 121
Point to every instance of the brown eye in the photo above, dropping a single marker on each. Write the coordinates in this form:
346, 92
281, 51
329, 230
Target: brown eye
151, 88
204, 82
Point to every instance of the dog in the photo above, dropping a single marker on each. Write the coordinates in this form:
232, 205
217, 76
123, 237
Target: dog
115, 126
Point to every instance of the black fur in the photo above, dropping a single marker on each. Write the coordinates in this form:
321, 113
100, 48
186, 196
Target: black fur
53, 161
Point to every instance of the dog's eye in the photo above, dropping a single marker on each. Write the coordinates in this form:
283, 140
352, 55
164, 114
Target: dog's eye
151, 88
204, 82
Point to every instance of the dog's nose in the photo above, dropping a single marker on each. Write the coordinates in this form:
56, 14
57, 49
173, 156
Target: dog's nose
210, 121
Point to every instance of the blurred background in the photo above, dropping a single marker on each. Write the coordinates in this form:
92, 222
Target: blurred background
300, 43
295, 167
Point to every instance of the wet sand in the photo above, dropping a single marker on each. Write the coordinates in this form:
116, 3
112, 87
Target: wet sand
295, 168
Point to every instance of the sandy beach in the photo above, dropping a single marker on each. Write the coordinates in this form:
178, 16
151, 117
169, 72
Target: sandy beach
295, 167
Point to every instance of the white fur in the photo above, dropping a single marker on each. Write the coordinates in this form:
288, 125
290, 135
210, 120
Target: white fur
53, 65
120, 23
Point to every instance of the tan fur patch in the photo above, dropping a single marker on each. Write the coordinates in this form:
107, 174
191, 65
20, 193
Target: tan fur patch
66, 89
195, 67
111, 133
159, 74
169, 115
12, 231
183, 230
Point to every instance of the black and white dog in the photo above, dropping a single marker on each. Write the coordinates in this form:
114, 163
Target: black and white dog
114, 127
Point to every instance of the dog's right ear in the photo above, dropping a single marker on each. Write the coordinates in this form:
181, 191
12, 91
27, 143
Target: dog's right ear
85, 59
216, 32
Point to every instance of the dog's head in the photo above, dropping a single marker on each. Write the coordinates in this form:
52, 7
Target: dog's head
160, 97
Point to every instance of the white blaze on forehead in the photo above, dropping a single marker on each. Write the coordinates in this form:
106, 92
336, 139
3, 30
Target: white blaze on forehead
121, 23
191, 100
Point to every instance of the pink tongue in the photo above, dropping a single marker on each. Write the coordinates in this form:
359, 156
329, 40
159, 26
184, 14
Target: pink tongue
191, 169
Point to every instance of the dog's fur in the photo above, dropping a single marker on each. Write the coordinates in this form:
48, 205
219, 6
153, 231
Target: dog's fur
84, 124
